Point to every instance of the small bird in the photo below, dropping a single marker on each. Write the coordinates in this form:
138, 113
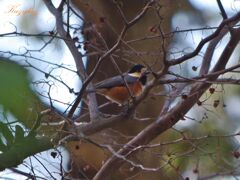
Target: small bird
115, 88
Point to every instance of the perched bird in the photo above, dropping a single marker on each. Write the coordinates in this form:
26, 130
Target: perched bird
115, 88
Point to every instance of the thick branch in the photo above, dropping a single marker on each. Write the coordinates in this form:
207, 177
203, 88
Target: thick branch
57, 12
210, 51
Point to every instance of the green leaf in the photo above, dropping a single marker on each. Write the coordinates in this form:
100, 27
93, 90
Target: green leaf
28, 146
6, 133
19, 134
24, 146
16, 95
3, 147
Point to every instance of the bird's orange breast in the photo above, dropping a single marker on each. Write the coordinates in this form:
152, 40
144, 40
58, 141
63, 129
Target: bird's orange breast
120, 94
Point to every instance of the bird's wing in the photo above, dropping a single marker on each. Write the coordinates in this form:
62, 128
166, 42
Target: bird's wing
115, 81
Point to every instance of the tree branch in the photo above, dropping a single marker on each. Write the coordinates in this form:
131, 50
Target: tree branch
76, 55
223, 12
166, 121
222, 25
107, 54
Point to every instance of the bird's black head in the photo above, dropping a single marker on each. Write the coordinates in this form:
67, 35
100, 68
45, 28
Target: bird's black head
138, 68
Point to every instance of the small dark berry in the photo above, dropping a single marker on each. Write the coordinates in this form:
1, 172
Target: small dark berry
194, 68
216, 103
211, 90
184, 96
54, 154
